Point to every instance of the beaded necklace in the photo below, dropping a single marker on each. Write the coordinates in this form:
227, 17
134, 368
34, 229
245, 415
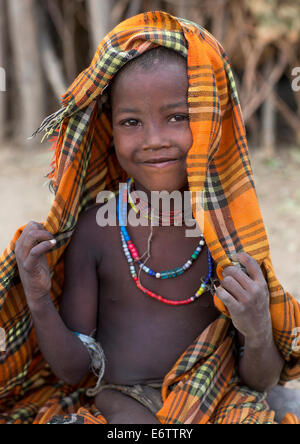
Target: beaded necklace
142, 208
166, 274
132, 257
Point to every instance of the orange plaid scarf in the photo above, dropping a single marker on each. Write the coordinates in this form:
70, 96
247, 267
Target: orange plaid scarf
202, 386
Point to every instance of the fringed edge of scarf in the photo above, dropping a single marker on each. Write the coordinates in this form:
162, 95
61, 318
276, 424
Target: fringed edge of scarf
51, 123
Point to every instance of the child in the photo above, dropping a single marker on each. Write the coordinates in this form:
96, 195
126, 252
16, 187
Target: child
175, 125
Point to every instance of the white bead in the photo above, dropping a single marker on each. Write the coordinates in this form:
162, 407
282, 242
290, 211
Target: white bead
157, 275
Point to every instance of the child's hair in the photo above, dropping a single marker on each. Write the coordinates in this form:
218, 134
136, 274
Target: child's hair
147, 61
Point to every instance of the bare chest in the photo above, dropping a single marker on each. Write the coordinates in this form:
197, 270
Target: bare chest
166, 250
132, 323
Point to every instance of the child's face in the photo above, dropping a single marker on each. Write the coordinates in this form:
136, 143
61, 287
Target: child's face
151, 128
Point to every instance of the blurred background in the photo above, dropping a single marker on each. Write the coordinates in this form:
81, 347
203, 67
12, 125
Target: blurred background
44, 44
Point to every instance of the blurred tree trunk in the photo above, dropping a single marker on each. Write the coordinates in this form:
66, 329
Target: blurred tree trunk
269, 126
53, 66
268, 117
3, 65
99, 18
292, 118
68, 40
27, 65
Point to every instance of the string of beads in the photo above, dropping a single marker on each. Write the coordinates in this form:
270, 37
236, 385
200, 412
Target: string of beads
133, 258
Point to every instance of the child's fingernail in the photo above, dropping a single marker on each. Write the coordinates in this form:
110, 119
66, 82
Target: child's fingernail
53, 241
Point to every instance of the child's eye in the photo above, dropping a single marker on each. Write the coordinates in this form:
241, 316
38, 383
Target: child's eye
130, 122
179, 118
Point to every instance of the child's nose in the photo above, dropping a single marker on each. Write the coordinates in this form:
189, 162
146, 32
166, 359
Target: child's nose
155, 138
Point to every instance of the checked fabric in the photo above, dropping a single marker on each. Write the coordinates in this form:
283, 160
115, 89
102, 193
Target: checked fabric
203, 386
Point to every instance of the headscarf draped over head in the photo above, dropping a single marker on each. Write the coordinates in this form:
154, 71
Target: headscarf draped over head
218, 166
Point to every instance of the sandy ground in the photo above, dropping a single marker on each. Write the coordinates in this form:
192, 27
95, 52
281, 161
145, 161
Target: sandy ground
25, 196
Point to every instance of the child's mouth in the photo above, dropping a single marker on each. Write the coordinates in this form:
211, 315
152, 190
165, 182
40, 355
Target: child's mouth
160, 163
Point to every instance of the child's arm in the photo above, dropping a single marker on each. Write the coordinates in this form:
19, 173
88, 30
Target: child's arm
247, 300
61, 348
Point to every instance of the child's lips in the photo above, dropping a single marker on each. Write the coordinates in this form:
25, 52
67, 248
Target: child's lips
160, 163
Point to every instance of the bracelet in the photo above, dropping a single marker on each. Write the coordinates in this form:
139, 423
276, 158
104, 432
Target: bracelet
97, 365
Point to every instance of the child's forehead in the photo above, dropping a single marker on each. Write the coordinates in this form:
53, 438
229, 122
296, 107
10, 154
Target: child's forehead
157, 59
171, 71
159, 85
156, 69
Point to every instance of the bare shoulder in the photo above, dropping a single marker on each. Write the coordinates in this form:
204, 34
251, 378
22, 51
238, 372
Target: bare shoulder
97, 218
87, 221
89, 234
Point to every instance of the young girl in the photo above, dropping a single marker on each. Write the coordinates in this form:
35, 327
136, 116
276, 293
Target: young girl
166, 347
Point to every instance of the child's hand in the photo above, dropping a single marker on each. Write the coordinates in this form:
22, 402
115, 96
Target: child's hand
247, 299
31, 249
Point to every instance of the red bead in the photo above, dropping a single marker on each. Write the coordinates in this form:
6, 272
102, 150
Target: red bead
160, 298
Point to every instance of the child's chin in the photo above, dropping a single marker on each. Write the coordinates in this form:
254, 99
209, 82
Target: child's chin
166, 185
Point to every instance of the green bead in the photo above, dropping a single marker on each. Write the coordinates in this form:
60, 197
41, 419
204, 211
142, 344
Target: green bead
164, 275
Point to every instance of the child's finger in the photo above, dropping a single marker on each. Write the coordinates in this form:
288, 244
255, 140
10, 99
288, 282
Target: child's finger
32, 238
230, 284
32, 225
240, 276
37, 252
252, 267
231, 304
